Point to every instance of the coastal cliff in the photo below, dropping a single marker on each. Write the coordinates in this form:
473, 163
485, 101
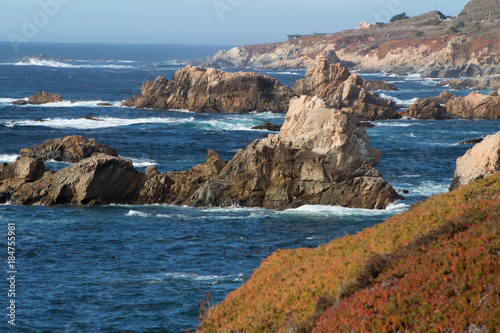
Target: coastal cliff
430, 44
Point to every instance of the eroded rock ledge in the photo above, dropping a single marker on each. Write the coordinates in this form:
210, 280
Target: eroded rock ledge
321, 156
209, 90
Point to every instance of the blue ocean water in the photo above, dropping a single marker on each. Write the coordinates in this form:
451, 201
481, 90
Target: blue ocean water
146, 268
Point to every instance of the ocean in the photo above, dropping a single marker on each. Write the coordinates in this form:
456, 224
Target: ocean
125, 268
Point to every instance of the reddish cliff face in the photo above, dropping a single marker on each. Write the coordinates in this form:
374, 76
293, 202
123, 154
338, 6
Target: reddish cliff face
427, 43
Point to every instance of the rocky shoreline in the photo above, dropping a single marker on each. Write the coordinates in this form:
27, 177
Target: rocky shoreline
320, 156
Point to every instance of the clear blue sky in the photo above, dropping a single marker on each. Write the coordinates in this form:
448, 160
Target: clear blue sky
229, 22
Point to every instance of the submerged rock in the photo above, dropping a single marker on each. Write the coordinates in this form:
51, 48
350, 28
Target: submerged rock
40, 98
480, 161
343, 90
69, 149
268, 126
320, 157
209, 90
471, 141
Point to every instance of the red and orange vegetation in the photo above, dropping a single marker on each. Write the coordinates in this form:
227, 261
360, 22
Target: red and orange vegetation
292, 288
450, 285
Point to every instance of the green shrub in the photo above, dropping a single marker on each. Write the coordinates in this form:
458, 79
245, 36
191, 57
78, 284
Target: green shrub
399, 17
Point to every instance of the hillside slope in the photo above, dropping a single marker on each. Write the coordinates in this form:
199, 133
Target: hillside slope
430, 44
292, 288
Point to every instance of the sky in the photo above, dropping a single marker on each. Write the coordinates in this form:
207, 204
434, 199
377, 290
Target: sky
217, 22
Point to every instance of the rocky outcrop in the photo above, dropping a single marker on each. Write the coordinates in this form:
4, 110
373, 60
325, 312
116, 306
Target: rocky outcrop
40, 98
465, 70
475, 106
443, 98
268, 127
488, 82
424, 109
343, 90
319, 157
480, 161
374, 85
71, 149
209, 90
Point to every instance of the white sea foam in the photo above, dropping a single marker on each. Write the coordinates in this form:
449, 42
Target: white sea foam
399, 101
8, 158
137, 213
197, 277
60, 64
391, 124
105, 122
141, 163
343, 211
430, 188
65, 104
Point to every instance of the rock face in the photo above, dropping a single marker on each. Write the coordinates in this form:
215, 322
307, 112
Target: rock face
40, 98
343, 90
485, 82
209, 90
480, 161
424, 109
71, 149
475, 106
319, 157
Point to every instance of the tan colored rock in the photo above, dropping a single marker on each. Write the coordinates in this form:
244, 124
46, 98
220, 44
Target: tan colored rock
320, 157
26, 168
424, 109
364, 25
480, 161
374, 85
40, 98
341, 89
475, 106
71, 149
209, 90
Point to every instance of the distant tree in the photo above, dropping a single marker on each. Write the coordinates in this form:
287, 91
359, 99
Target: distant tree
398, 17
419, 33
453, 30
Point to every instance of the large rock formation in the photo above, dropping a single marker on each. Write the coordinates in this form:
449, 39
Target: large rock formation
475, 106
480, 161
343, 90
209, 90
424, 109
319, 157
40, 98
71, 149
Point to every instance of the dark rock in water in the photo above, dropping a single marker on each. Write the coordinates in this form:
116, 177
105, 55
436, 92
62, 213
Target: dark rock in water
343, 90
70, 149
104, 104
268, 126
471, 141
424, 109
373, 85
209, 90
403, 191
19, 102
366, 124
89, 117
40, 98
